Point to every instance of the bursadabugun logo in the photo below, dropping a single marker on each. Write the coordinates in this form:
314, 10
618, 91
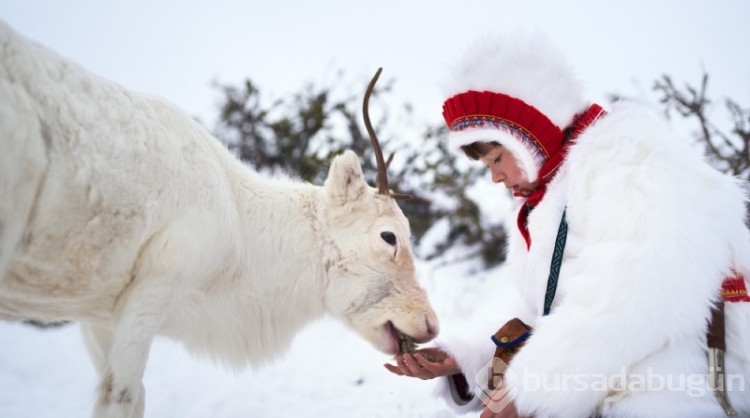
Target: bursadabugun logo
504, 380
508, 382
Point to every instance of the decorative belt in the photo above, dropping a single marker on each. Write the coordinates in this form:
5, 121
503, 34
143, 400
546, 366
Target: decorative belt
733, 290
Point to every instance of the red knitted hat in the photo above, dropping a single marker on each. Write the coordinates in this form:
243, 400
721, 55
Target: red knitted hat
516, 90
487, 116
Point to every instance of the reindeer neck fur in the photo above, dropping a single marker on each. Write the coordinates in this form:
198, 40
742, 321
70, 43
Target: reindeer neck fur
255, 318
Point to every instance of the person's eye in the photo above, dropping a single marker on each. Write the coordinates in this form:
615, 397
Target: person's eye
498, 159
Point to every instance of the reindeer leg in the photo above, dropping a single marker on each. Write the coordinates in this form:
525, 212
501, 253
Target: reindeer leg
98, 340
126, 344
120, 354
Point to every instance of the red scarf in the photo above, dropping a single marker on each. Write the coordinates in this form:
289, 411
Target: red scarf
549, 169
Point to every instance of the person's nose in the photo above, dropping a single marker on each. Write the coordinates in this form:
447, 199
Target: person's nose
497, 176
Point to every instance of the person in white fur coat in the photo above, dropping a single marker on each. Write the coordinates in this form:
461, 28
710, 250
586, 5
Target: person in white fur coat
655, 240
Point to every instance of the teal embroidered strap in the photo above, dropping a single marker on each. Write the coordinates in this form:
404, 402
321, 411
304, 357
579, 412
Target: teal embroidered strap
554, 270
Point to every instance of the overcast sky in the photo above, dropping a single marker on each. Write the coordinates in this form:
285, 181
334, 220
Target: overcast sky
175, 48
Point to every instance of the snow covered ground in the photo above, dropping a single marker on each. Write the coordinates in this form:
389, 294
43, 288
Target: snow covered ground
328, 371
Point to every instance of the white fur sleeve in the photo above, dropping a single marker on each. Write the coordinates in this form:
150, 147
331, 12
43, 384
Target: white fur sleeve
471, 353
470, 343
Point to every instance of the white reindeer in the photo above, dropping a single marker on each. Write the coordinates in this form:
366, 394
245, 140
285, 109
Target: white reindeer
121, 212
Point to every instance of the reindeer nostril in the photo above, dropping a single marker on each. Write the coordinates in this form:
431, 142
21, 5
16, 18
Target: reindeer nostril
432, 328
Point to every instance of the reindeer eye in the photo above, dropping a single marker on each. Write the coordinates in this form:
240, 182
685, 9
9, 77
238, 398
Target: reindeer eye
388, 237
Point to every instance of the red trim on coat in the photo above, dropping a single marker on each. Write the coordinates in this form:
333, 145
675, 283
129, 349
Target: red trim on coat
733, 288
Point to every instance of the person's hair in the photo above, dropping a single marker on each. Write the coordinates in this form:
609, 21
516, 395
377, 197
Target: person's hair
477, 150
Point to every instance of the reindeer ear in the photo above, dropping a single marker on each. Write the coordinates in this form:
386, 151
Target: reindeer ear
345, 180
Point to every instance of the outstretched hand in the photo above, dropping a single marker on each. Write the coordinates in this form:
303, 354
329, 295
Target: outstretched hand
425, 363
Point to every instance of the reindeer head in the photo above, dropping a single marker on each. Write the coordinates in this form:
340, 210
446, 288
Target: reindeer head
372, 280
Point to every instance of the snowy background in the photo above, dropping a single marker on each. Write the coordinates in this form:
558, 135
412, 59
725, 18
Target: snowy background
176, 48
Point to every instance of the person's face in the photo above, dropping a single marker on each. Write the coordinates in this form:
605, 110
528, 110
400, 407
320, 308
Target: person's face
505, 169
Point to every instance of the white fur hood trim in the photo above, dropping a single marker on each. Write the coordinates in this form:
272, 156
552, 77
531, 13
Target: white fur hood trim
522, 65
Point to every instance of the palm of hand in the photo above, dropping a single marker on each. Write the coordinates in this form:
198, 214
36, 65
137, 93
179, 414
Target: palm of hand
425, 363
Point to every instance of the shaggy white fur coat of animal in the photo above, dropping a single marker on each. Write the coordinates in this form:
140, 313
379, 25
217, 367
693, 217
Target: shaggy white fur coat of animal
119, 211
652, 231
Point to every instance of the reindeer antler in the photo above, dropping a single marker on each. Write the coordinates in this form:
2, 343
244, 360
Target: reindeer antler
381, 179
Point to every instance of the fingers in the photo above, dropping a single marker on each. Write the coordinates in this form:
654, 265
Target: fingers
433, 354
486, 413
410, 367
393, 369
416, 365
407, 365
445, 367
508, 412
498, 405
434, 369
